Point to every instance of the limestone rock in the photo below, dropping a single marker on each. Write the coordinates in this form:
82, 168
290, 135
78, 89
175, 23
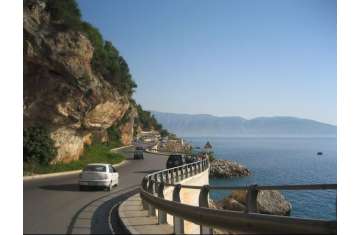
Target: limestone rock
61, 90
226, 168
268, 202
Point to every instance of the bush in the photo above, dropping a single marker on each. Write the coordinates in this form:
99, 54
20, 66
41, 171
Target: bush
106, 59
38, 147
66, 11
211, 156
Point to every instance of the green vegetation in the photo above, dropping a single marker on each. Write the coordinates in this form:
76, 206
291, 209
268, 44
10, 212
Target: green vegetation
38, 147
147, 121
93, 153
211, 156
106, 58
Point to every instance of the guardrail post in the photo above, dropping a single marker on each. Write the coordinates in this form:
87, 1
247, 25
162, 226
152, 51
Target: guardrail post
161, 177
178, 222
204, 202
161, 214
177, 174
172, 176
167, 177
145, 187
151, 208
156, 178
186, 171
251, 197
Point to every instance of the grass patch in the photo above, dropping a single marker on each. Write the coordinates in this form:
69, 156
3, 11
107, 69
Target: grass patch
92, 154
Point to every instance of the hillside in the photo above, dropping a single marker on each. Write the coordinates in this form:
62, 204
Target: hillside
77, 86
189, 125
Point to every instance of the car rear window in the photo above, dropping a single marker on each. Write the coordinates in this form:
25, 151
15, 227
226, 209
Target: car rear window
139, 148
96, 168
175, 157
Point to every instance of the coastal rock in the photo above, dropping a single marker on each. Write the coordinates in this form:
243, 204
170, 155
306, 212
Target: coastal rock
226, 168
61, 89
268, 202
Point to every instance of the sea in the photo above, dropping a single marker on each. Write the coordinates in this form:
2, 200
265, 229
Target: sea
282, 161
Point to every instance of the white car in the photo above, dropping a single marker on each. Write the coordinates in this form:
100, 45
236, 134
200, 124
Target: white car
99, 174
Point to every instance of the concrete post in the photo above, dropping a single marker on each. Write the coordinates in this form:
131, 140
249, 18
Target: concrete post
145, 187
204, 202
178, 222
251, 197
162, 218
151, 208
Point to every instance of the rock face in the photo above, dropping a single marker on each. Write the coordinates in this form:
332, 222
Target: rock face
62, 92
226, 168
268, 202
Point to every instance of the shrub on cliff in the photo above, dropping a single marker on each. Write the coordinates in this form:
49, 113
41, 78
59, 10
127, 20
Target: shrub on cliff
147, 121
38, 147
106, 58
66, 11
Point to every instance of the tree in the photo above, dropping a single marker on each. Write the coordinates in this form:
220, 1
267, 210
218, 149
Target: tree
38, 147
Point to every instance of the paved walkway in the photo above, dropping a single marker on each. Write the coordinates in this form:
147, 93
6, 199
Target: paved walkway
137, 221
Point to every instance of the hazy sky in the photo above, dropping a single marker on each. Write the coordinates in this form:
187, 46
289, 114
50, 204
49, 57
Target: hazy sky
226, 57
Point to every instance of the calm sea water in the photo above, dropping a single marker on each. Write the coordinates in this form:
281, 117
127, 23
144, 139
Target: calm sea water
276, 161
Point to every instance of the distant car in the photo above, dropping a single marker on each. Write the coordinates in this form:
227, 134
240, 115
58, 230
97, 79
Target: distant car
138, 153
191, 159
175, 160
98, 175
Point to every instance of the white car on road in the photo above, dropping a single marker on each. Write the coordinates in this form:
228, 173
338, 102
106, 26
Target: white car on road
98, 174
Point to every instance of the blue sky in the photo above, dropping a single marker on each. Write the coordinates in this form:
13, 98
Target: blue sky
244, 58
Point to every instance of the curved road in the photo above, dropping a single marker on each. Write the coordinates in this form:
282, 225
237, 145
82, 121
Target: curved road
56, 206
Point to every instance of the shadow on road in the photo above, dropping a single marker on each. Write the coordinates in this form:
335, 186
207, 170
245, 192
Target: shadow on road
68, 187
146, 172
104, 219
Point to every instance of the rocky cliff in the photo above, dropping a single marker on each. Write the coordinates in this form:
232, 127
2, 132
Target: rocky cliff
61, 89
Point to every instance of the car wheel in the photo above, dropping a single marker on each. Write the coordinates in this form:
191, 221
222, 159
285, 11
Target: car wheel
109, 187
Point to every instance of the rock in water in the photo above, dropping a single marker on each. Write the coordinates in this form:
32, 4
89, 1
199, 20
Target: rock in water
273, 202
268, 202
226, 168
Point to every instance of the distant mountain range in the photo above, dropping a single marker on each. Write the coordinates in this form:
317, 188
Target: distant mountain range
198, 125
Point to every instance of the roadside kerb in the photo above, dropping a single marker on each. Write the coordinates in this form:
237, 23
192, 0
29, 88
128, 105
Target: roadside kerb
41, 176
160, 153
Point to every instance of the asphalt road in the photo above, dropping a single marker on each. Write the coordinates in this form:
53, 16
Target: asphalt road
56, 206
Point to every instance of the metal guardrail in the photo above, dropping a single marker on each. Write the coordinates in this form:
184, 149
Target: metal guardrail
152, 194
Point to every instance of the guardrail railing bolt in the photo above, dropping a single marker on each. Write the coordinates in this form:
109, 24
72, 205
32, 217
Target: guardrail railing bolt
178, 222
251, 197
162, 217
204, 202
